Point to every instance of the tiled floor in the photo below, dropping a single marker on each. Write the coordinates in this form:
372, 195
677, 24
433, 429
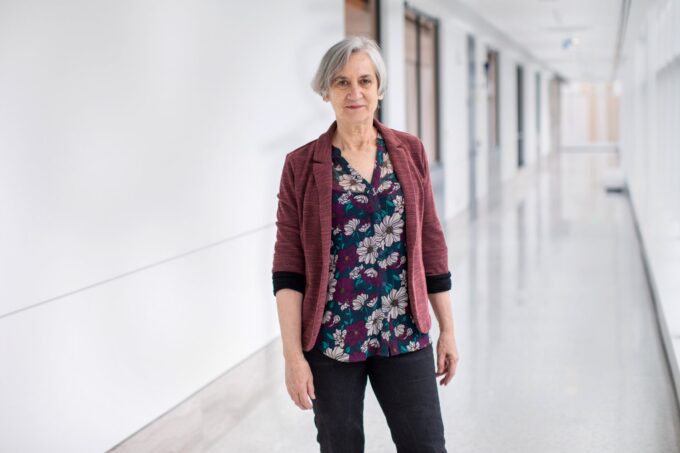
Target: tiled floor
560, 350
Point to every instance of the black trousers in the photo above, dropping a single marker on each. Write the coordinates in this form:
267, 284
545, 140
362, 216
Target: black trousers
404, 385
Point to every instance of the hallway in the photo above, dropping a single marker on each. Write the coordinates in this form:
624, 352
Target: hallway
560, 350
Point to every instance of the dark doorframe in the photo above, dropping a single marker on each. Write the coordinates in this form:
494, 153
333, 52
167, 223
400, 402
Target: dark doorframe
538, 115
520, 116
492, 71
472, 130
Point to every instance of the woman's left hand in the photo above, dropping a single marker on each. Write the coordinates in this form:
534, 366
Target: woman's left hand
447, 357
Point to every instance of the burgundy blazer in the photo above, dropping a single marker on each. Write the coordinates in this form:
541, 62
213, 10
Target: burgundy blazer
303, 222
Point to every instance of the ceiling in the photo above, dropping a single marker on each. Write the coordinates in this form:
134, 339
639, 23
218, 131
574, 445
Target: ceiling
543, 27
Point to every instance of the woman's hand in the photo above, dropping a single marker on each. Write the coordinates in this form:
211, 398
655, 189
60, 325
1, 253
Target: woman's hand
299, 382
447, 357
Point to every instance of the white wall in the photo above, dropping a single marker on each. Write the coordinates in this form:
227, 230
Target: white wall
394, 41
508, 106
141, 145
649, 143
454, 121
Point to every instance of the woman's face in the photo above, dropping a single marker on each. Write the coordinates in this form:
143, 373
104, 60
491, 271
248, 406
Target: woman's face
354, 90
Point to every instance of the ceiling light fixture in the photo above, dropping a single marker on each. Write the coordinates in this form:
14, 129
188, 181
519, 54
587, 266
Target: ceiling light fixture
570, 42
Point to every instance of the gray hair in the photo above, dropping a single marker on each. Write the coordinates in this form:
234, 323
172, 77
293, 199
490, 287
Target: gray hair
337, 56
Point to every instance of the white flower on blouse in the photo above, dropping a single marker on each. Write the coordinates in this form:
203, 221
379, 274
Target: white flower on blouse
356, 272
389, 230
344, 306
375, 322
336, 319
372, 343
399, 204
412, 346
386, 335
352, 183
359, 301
368, 250
394, 304
402, 277
371, 303
364, 346
361, 199
337, 353
339, 337
327, 316
344, 198
364, 227
351, 227
409, 332
399, 330
385, 185
389, 260
386, 168
370, 272
331, 286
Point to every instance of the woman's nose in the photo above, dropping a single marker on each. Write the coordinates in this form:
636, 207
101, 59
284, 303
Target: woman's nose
355, 91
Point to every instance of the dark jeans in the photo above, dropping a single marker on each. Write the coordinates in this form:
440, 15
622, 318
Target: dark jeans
404, 385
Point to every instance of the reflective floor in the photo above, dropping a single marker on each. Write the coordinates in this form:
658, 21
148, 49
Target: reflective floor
559, 345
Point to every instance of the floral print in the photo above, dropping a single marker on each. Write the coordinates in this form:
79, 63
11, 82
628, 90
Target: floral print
367, 311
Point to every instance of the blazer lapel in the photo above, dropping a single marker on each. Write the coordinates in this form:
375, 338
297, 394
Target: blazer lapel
403, 168
323, 178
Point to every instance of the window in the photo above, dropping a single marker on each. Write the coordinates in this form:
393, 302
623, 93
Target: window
422, 80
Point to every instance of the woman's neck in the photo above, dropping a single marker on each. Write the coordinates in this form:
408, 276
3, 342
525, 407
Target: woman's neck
356, 137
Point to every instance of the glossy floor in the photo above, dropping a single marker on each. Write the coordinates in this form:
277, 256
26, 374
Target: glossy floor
559, 345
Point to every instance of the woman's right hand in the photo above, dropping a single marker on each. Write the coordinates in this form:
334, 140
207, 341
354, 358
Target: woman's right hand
299, 382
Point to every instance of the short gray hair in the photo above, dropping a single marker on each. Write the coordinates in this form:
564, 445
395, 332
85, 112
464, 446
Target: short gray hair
337, 56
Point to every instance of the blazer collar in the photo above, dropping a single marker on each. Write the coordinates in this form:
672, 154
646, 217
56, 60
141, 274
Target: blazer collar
322, 150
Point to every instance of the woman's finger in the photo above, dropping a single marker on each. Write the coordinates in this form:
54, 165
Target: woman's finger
298, 401
450, 370
310, 389
303, 398
441, 363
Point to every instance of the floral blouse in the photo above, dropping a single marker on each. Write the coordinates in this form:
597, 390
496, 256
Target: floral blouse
367, 311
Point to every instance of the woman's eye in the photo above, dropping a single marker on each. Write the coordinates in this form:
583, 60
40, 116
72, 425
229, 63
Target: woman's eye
366, 81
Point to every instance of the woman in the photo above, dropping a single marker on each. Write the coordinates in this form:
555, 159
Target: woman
359, 250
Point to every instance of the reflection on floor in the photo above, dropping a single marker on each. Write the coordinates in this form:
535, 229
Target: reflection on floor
559, 345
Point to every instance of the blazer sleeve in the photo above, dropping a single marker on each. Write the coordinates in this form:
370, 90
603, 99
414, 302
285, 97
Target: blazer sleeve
435, 251
288, 269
